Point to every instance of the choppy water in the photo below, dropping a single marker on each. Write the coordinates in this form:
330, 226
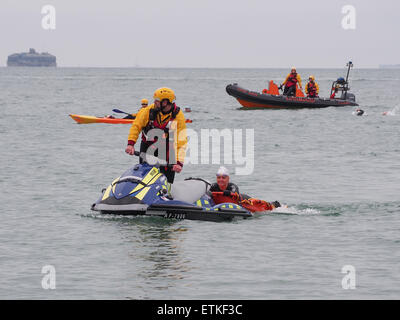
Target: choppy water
338, 173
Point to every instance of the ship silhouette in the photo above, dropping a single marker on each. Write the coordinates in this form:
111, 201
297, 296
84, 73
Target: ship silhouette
31, 59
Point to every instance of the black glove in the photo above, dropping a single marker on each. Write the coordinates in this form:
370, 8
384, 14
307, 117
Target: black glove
227, 193
276, 204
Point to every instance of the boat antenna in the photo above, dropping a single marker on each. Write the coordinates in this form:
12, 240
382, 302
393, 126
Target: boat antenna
349, 65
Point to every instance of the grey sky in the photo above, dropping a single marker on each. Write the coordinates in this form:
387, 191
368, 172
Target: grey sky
224, 33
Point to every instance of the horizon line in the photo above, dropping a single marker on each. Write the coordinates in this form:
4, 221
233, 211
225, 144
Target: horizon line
169, 67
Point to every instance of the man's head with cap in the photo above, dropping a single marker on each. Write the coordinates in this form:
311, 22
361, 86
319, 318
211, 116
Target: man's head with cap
222, 178
222, 171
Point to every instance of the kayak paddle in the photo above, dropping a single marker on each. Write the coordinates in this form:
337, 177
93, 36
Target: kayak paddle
119, 111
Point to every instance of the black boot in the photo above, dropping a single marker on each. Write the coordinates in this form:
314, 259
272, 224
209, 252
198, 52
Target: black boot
276, 204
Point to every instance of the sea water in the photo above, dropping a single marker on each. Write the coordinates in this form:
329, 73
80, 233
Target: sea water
338, 174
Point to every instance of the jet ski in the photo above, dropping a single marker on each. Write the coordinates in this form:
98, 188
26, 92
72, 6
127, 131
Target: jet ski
144, 190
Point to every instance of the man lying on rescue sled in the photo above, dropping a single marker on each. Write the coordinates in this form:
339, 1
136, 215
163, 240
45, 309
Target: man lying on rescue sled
225, 191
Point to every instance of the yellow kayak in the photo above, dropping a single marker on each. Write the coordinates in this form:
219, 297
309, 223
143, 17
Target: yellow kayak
91, 119
82, 119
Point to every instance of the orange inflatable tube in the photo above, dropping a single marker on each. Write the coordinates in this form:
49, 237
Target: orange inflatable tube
251, 204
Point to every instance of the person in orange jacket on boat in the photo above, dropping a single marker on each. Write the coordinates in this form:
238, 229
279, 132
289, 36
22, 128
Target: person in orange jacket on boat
290, 83
164, 115
312, 88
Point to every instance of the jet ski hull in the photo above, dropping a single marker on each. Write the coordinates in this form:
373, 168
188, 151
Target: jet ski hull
176, 212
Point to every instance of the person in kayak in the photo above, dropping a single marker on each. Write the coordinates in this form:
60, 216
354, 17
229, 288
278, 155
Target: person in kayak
312, 88
144, 104
290, 83
223, 184
163, 114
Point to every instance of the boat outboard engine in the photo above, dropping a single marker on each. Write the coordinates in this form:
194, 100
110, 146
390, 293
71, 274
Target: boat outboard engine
342, 85
350, 96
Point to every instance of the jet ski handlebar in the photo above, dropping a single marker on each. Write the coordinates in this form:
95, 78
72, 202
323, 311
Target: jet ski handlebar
130, 179
152, 160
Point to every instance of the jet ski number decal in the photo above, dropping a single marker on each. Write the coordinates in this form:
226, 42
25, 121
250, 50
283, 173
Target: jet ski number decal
175, 215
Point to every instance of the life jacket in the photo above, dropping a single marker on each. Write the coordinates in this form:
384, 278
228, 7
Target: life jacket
154, 124
292, 80
311, 89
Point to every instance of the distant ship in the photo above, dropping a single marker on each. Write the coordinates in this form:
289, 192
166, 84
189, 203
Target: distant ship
31, 59
389, 66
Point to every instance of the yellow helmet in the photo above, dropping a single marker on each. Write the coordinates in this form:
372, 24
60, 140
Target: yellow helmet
144, 101
311, 78
164, 93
